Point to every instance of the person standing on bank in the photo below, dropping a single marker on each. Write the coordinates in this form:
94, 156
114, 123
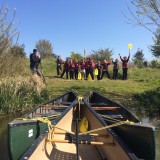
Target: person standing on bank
65, 69
99, 67
115, 69
34, 62
91, 66
125, 65
105, 69
76, 63
59, 65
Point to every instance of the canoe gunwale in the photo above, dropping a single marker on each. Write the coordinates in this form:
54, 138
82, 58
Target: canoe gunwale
54, 99
114, 102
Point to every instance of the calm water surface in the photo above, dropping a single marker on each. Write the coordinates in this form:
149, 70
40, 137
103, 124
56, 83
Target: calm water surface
5, 119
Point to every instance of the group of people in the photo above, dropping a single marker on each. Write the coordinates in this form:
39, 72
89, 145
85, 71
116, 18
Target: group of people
85, 68
89, 68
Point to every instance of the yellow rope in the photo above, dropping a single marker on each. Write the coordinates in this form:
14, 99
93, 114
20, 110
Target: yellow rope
35, 119
113, 119
102, 128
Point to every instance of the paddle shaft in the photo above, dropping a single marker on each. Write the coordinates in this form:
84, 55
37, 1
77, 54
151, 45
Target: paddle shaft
77, 139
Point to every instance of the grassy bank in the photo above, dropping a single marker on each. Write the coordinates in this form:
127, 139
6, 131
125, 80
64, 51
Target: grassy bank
141, 83
132, 92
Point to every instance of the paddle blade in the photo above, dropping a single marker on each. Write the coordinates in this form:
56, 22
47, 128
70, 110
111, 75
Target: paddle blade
96, 72
129, 46
83, 126
79, 76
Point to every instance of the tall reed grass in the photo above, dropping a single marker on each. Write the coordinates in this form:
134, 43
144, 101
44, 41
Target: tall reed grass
21, 94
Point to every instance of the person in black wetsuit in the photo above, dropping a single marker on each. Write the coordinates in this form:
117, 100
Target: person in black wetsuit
59, 65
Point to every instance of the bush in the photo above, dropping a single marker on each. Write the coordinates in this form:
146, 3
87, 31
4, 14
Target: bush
155, 64
21, 94
148, 100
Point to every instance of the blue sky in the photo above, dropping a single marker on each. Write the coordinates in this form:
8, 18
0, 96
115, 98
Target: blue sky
75, 25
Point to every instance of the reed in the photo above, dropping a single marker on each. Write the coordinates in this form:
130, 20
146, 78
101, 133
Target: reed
21, 93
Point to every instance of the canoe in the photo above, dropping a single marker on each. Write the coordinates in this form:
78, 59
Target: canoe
138, 136
23, 131
64, 141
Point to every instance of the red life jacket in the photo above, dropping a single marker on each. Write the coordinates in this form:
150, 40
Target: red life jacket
105, 66
71, 67
124, 62
82, 65
76, 65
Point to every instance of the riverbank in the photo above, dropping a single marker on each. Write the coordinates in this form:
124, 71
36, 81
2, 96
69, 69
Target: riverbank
140, 91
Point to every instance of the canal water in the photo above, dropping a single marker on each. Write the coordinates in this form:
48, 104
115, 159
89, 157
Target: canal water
5, 119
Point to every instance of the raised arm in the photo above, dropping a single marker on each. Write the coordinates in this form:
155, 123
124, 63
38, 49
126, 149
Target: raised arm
128, 56
120, 57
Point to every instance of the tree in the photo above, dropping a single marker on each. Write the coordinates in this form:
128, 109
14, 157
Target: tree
9, 64
102, 54
145, 13
138, 58
45, 48
155, 49
7, 32
18, 50
76, 56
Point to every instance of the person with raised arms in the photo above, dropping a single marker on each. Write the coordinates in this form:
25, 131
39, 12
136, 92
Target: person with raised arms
125, 65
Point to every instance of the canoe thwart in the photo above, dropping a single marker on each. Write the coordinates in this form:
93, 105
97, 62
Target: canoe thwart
47, 107
91, 134
82, 142
83, 139
106, 108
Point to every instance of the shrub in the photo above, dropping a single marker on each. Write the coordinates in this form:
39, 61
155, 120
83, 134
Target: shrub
21, 94
148, 100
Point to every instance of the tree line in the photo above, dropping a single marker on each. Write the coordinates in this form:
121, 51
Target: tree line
144, 13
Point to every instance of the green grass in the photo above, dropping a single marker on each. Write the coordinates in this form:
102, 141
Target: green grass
132, 92
140, 81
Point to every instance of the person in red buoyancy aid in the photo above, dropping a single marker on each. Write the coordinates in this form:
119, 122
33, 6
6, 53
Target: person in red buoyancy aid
65, 69
115, 69
76, 63
105, 69
91, 66
71, 69
125, 66
99, 67
82, 68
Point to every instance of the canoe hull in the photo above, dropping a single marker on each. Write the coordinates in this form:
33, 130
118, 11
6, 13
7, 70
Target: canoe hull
56, 147
22, 133
139, 137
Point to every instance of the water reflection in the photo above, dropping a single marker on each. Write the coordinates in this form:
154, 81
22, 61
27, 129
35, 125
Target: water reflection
3, 136
157, 143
